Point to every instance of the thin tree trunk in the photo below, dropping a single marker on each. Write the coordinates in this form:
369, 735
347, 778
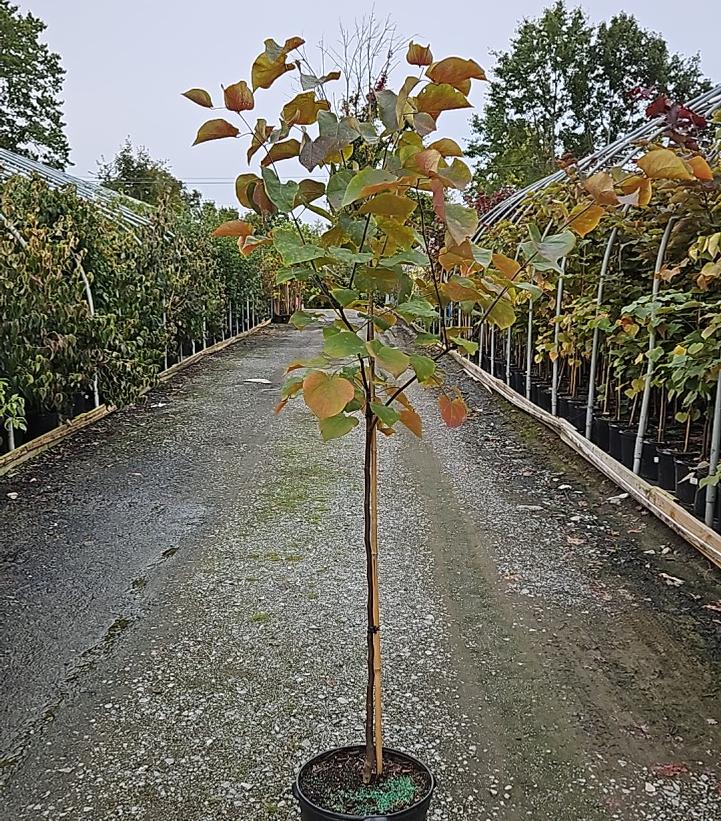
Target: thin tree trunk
374, 714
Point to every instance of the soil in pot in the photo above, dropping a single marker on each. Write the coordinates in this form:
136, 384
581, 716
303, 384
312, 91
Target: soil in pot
331, 786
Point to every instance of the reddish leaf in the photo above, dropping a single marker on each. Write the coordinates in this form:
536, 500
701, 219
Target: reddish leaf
436, 98
326, 395
412, 421
701, 169
215, 130
453, 411
233, 228
199, 96
281, 151
419, 55
238, 97
456, 72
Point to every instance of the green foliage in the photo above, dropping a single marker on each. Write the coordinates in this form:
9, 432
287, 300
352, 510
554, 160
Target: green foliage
134, 173
31, 79
566, 85
51, 348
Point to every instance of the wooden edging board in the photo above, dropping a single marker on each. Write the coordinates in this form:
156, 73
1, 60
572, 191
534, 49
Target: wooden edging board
660, 503
36, 446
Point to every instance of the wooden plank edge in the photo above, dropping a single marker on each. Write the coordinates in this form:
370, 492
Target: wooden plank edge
11, 460
41, 443
163, 376
660, 503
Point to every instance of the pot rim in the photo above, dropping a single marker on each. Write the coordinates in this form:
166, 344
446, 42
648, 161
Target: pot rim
298, 792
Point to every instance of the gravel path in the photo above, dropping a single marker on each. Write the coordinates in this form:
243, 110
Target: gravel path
182, 609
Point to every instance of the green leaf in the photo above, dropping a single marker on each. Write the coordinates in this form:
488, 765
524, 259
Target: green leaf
387, 101
293, 250
336, 426
365, 183
343, 344
410, 257
347, 256
385, 413
466, 344
417, 308
337, 185
461, 222
544, 254
290, 274
301, 319
281, 194
423, 366
344, 296
388, 358
426, 340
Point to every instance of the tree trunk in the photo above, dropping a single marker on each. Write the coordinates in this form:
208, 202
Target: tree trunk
374, 714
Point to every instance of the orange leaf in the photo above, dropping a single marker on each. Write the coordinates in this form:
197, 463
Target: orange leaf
436, 98
215, 130
243, 190
199, 96
447, 147
271, 64
412, 421
281, 151
238, 97
279, 407
248, 244
664, 164
701, 169
419, 55
233, 228
326, 395
505, 265
585, 217
453, 411
600, 187
456, 71
303, 109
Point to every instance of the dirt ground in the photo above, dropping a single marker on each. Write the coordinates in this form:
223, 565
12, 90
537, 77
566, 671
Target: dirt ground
182, 615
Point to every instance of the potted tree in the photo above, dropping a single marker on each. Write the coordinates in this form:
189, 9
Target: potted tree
384, 168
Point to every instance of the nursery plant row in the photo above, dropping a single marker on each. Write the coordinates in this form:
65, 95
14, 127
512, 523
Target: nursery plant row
626, 334
94, 309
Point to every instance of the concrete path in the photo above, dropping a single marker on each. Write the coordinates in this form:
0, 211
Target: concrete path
182, 616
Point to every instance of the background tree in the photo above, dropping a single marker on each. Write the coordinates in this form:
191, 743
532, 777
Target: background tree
136, 174
566, 85
31, 79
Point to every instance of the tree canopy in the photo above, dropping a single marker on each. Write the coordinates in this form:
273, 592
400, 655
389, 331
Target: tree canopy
567, 85
136, 174
31, 80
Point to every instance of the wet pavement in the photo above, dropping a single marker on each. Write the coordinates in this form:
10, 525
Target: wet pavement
182, 615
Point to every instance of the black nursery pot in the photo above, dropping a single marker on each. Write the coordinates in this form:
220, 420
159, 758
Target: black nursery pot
312, 812
544, 398
614, 440
685, 490
628, 446
41, 423
577, 414
650, 460
599, 432
518, 381
666, 468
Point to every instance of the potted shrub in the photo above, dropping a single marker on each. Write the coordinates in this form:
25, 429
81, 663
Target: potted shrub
373, 264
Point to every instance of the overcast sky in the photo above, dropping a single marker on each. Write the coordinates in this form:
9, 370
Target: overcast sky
127, 62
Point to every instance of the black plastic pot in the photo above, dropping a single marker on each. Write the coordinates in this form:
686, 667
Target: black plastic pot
518, 381
666, 468
649, 461
499, 369
576, 414
628, 446
614, 440
599, 432
685, 464
544, 398
40, 423
312, 812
